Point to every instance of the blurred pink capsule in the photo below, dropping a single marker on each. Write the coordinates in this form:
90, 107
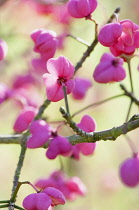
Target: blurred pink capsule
24, 119
43, 7
81, 8
5, 92
61, 14
21, 96
39, 66
40, 133
81, 87
75, 185
70, 187
3, 49
45, 43
21, 81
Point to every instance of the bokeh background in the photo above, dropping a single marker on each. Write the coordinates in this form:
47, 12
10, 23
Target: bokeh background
99, 172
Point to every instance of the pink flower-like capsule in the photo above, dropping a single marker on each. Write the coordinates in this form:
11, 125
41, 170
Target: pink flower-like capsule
42, 7
39, 66
57, 180
45, 43
70, 187
25, 80
24, 119
56, 196
59, 145
109, 34
81, 8
37, 201
40, 133
60, 73
61, 39
5, 92
3, 49
122, 37
81, 87
22, 98
129, 172
61, 14
87, 124
44, 200
109, 69
76, 187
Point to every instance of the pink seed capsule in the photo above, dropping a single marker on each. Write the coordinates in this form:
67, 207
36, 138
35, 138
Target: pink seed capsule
110, 69
129, 172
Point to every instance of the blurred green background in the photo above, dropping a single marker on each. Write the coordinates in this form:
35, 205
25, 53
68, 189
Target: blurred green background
100, 171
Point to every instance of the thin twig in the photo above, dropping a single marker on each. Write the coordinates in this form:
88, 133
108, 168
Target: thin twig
129, 110
18, 169
66, 99
130, 95
10, 139
18, 207
5, 201
42, 109
130, 75
131, 145
86, 54
4, 206
114, 15
79, 40
96, 104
